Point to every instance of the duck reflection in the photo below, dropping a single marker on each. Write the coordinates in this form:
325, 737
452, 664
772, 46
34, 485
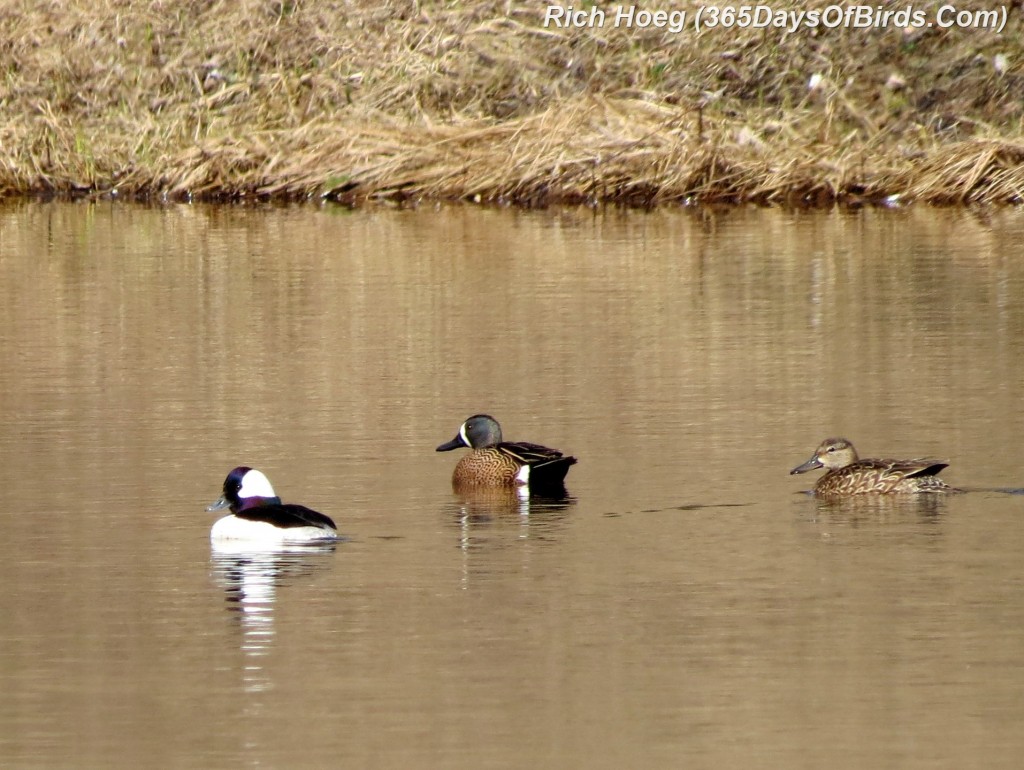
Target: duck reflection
250, 578
534, 516
927, 506
874, 511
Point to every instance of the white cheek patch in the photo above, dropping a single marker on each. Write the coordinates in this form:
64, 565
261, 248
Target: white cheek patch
463, 436
255, 484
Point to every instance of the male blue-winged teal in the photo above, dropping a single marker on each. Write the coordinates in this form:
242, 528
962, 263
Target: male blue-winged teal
848, 475
498, 463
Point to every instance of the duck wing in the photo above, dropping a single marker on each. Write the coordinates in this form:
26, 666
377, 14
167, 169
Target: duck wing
907, 469
533, 455
883, 476
287, 516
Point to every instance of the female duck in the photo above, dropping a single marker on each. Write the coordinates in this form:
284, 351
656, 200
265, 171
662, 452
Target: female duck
258, 515
848, 475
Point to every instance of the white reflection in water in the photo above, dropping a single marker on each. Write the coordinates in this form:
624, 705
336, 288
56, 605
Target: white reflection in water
485, 516
483, 505
250, 578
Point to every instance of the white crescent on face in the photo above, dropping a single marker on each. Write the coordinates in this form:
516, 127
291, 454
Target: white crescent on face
463, 436
255, 484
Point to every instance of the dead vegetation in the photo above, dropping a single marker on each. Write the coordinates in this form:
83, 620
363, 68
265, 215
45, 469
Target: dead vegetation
358, 100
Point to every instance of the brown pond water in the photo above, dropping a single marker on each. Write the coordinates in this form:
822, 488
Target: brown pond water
687, 606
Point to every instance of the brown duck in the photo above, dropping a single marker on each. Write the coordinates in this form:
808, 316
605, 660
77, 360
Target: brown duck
497, 463
848, 475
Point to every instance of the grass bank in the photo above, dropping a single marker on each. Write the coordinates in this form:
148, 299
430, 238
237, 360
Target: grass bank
371, 99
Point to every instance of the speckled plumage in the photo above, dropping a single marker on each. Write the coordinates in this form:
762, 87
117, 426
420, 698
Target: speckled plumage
493, 462
848, 475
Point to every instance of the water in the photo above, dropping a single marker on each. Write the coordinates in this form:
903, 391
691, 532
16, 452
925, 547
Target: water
687, 605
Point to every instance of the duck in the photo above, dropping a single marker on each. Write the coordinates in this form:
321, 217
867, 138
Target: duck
494, 462
848, 475
258, 515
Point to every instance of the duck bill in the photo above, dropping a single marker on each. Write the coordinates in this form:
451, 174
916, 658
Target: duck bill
448, 446
219, 504
810, 465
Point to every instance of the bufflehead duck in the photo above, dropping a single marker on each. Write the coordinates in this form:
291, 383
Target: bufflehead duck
257, 513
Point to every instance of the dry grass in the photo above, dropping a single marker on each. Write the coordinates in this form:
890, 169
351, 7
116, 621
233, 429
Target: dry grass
232, 99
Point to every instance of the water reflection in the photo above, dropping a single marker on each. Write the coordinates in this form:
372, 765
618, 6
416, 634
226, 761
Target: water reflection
250, 578
478, 512
687, 592
917, 516
494, 519
485, 506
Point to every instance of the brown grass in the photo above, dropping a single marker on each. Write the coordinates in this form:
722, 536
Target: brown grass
358, 100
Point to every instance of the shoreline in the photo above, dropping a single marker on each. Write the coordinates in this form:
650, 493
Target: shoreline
420, 101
